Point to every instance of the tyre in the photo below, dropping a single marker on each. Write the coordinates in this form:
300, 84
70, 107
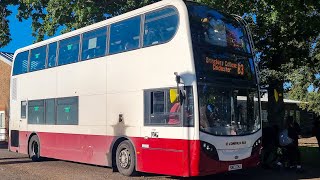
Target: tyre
34, 149
125, 158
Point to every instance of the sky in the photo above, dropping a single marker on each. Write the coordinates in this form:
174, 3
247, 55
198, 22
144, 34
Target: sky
20, 32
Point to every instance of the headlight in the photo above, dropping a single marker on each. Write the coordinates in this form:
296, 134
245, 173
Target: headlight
210, 150
256, 146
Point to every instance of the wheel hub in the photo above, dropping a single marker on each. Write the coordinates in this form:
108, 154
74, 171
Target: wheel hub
35, 148
124, 158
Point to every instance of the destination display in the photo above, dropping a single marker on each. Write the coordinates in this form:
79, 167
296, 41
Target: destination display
219, 64
226, 66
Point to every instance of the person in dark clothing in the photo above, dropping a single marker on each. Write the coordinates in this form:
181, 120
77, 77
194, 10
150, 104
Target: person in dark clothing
293, 148
270, 143
316, 131
297, 128
276, 135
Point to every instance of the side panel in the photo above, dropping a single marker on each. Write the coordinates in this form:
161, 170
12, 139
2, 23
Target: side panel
91, 149
188, 158
94, 149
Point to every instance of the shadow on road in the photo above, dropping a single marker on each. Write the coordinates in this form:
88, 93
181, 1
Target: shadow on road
310, 157
15, 162
263, 174
9, 158
257, 173
21, 160
3, 145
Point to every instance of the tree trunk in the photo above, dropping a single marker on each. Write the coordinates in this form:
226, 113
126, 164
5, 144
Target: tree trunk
276, 104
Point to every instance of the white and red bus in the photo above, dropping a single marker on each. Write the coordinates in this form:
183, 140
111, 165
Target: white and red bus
170, 88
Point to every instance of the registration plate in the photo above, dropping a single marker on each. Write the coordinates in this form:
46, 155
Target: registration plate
235, 167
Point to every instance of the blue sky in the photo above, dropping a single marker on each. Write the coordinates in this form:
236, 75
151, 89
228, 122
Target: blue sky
20, 32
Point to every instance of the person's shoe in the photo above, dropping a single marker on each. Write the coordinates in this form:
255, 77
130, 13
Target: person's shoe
279, 164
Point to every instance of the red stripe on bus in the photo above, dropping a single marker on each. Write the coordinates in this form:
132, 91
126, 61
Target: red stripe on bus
174, 157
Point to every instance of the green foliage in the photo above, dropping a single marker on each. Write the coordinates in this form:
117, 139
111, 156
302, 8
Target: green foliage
4, 23
286, 33
301, 81
306, 81
48, 15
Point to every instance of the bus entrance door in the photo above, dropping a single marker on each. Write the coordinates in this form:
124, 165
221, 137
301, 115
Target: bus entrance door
162, 152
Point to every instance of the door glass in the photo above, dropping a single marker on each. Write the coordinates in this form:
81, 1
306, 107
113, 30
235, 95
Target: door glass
1, 119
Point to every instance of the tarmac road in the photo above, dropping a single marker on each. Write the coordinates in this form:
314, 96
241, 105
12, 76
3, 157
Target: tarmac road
17, 166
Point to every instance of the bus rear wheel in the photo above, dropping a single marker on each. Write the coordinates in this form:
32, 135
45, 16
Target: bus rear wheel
125, 158
34, 149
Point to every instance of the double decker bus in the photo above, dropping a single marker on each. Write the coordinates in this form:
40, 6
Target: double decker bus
170, 88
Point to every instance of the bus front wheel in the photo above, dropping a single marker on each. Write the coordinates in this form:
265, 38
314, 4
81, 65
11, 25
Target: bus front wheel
34, 148
125, 158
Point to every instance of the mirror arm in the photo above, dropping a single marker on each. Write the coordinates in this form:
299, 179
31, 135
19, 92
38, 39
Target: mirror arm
181, 94
178, 82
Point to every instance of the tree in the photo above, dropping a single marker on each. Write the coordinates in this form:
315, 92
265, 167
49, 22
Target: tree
48, 15
285, 33
4, 23
306, 83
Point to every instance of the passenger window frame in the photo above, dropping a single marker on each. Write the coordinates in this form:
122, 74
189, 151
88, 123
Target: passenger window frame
54, 111
62, 122
110, 36
43, 113
24, 105
158, 10
148, 109
105, 43
45, 59
59, 50
14, 73
56, 54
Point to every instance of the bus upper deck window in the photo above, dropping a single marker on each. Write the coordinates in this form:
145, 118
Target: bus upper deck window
94, 44
38, 58
125, 35
160, 26
69, 50
21, 63
52, 55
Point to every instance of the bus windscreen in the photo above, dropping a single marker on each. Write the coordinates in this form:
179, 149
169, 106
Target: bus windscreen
210, 27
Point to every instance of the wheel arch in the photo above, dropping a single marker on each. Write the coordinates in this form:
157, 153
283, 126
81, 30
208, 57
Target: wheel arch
29, 138
113, 150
